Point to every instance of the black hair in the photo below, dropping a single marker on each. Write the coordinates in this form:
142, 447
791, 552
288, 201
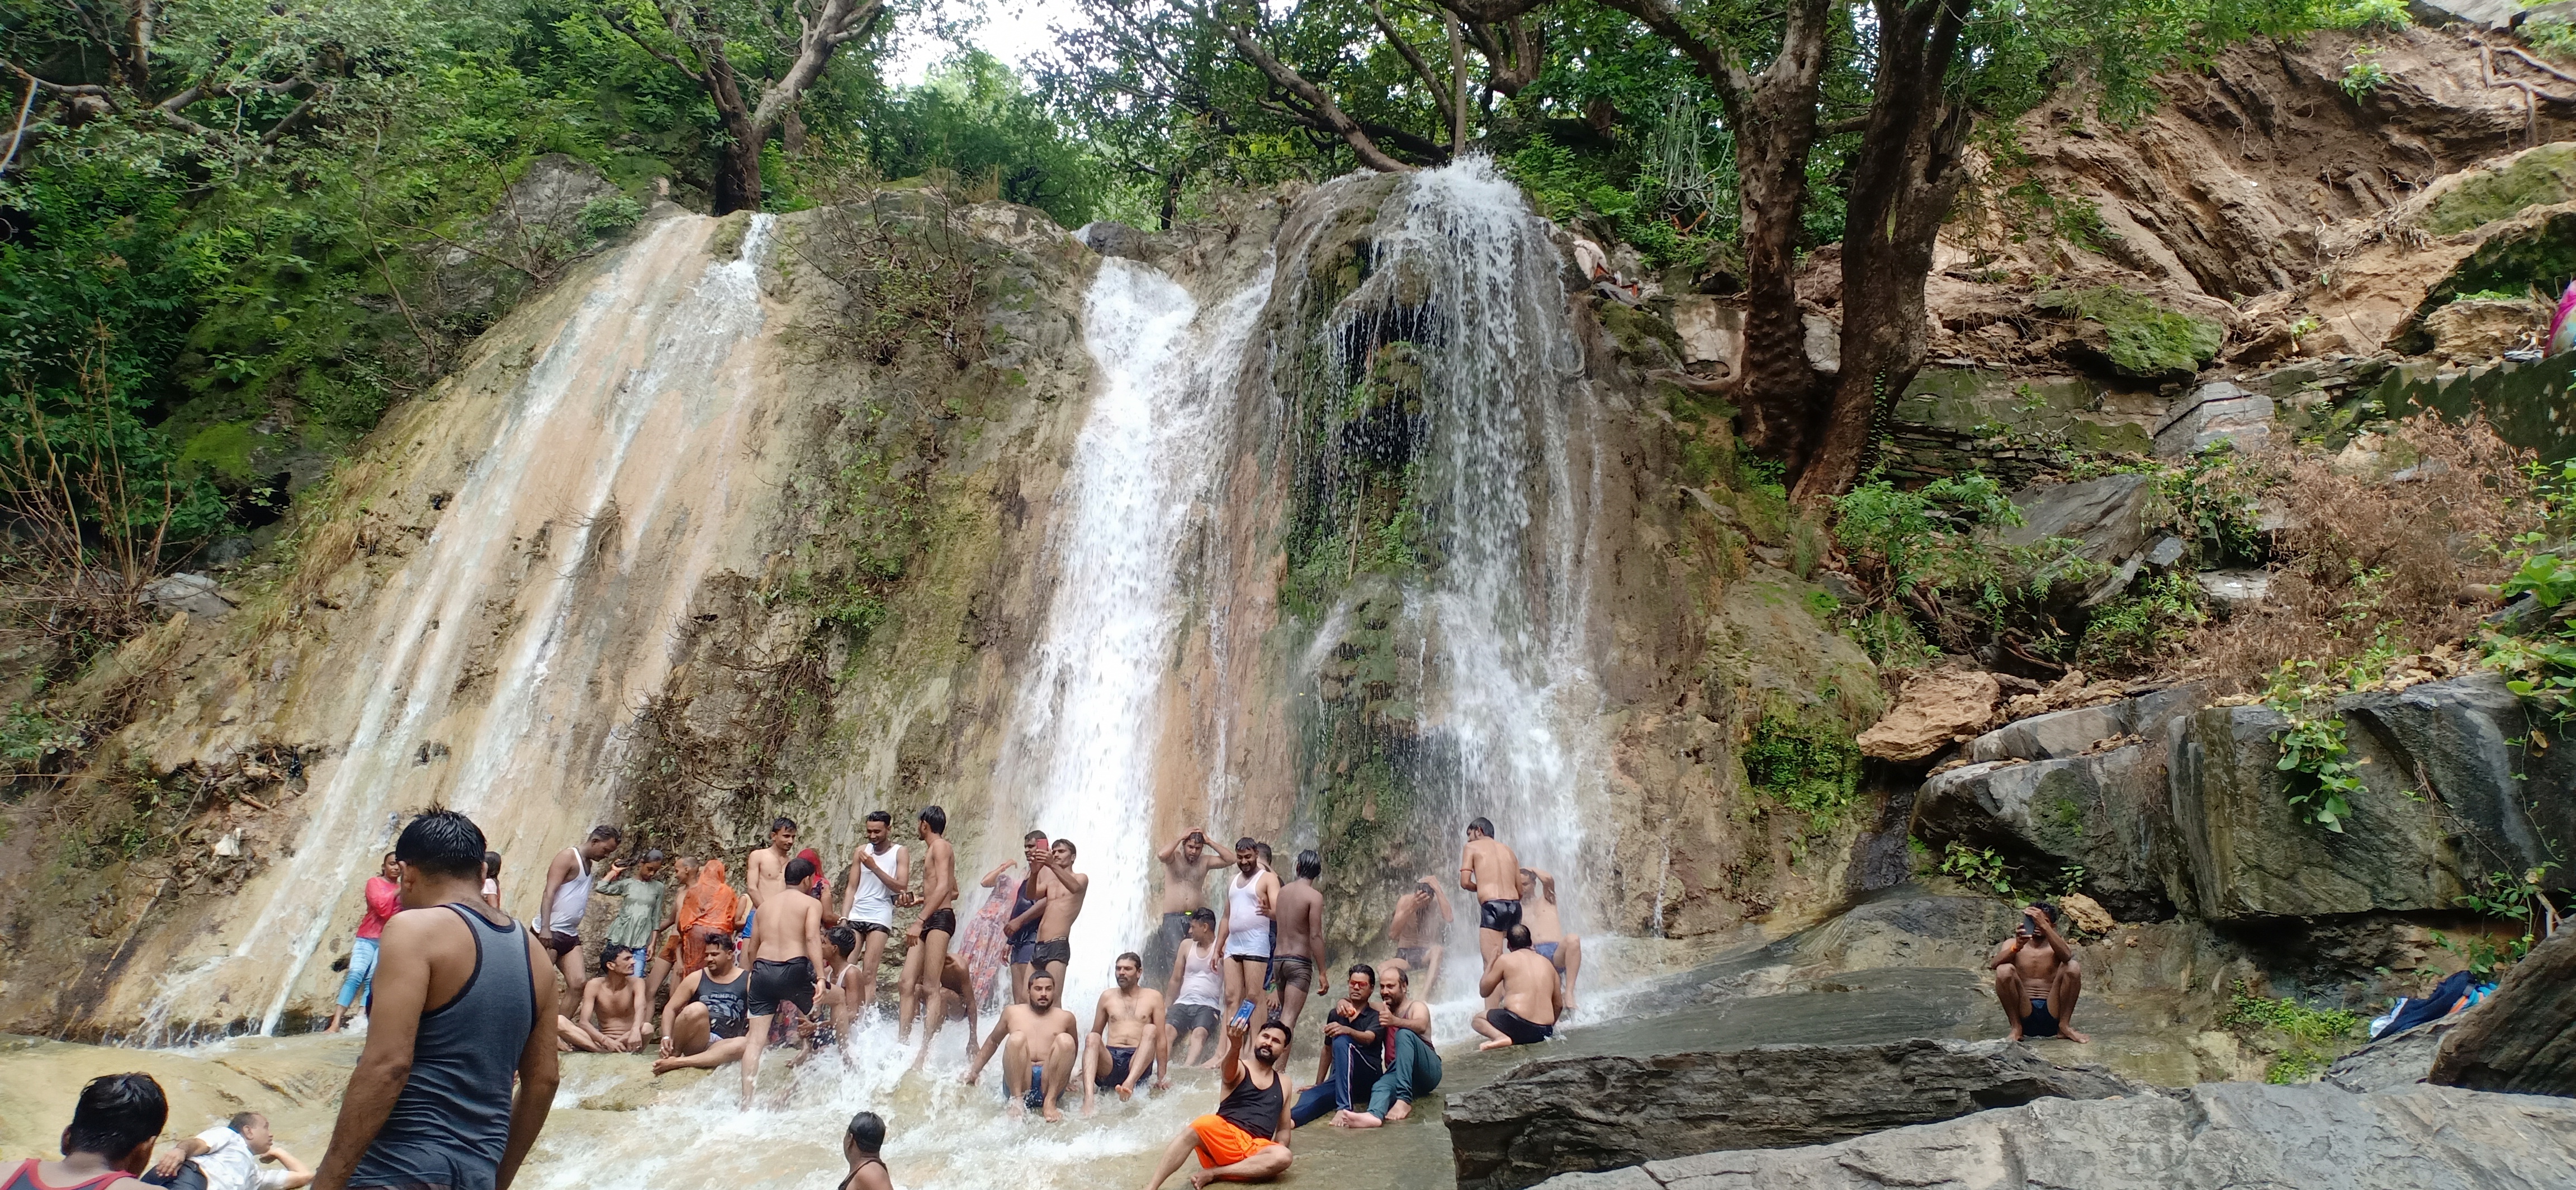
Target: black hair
867, 1132
1069, 849
1403, 976
781, 823
1247, 843
605, 831
1481, 825
653, 856
1203, 915
888, 819
1129, 957
1517, 937
2045, 910
634, 952
1032, 837
1363, 969
845, 938
799, 870
1284, 1031
491, 863
937, 818
720, 938
115, 1113
442, 842
1041, 973
243, 1119
1309, 865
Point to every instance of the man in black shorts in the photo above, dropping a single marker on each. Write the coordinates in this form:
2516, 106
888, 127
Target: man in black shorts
786, 959
1530, 994
703, 1026
1195, 992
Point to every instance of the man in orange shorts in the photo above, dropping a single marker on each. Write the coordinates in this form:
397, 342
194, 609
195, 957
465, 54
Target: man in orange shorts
1240, 1142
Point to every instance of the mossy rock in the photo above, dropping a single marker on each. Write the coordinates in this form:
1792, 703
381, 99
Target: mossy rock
2541, 177
2139, 337
224, 449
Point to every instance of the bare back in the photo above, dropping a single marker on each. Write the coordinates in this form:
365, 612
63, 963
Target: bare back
1300, 915
1530, 987
790, 926
1496, 870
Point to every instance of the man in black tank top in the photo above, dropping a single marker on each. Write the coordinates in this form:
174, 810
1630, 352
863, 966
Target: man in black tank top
1239, 1142
459, 1012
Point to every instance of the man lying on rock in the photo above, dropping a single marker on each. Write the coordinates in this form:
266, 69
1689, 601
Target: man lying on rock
2038, 978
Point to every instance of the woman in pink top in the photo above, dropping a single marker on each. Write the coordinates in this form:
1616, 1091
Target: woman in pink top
384, 899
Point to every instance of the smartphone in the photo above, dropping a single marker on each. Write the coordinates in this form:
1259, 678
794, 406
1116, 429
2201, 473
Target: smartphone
1243, 1015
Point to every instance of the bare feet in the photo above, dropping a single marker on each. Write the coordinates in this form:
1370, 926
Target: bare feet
1126, 1093
1199, 1179
2015, 1035
1162, 1082
1499, 1043
1050, 1114
1357, 1119
665, 1065
1399, 1111
2072, 1035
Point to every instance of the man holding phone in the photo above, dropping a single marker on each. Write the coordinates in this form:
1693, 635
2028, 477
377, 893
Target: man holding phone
2038, 978
1186, 864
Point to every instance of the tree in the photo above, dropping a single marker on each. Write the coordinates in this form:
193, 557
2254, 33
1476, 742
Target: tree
694, 39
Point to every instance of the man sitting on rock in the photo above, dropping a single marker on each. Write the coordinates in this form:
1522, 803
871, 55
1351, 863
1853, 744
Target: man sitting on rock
2038, 978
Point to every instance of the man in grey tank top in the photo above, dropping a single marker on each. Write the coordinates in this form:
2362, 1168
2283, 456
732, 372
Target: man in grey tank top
460, 1010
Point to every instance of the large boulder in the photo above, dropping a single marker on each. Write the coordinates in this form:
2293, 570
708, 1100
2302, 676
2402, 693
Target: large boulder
2522, 1038
2111, 520
2217, 1136
2214, 413
1933, 711
2093, 811
1566, 1114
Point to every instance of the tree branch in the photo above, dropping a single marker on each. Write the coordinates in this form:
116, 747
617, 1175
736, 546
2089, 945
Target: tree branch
1714, 60
1314, 97
1439, 92
619, 22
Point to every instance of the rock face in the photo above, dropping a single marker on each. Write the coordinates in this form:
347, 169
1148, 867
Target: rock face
2523, 1038
1570, 1114
2215, 413
1931, 712
2218, 1136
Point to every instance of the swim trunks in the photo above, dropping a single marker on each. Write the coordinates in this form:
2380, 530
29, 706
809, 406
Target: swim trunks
866, 928
1185, 1017
1024, 953
1057, 951
1121, 1060
1499, 916
775, 982
1290, 970
560, 944
2041, 1022
1521, 1031
1412, 956
1035, 1098
944, 921
1546, 950
1165, 945
1221, 1143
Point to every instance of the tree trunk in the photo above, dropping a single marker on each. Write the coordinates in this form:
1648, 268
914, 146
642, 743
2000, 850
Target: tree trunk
1907, 175
738, 169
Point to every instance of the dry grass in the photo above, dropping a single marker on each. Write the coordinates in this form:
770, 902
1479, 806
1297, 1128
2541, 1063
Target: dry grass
2368, 563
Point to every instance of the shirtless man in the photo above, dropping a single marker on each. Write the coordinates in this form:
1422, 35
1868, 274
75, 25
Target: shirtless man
1415, 1070
1065, 890
928, 938
1186, 864
880, 877
614, 993
561, 906
1419, 928
764, 872
786, 962
1530, 993
1490, 870
2038, 978
1547, 931
1036, 1034
1129, 1019
839, 999
1193, 991
1244, 925
707, 1021
1299, 952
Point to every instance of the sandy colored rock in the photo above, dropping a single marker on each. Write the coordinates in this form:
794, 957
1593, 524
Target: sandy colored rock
1932, 711
2089, 915
2476, 330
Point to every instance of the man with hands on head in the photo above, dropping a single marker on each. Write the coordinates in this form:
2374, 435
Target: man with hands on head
1186, 863
2038, 978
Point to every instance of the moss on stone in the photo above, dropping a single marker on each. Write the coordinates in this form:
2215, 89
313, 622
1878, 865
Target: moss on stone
2144, 339
1806, 762
224, 449
2541, 177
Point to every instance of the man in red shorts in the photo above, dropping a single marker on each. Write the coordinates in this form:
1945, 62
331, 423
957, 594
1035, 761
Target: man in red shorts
1240, 1142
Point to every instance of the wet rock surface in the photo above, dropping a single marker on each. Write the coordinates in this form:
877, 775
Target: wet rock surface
2220, 1135
1568, 1114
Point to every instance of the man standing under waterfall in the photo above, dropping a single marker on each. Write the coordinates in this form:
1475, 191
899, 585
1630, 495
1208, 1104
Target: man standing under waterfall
1065, 890
786, 962
880, 874
1186, 864
461, 994
562, 904
1490, 870
2038, 978
764, 872
928, 937
1299, 950
1251, 906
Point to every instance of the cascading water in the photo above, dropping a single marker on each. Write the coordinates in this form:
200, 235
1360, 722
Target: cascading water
623, 427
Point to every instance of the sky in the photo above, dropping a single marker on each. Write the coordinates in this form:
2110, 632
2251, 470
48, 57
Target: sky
1012, 30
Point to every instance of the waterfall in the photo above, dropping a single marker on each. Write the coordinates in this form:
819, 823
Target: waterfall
1085, 731
624, 427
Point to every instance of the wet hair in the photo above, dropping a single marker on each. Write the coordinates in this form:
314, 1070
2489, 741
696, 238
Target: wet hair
244, 1119
1288, 1035
866, 1131
781, 823
721, 940
1041, 973
846, 939
888, 819
1362, 969
1247, 843
653, 856
492, 864
1517, 937
937, 818
442, 843
1481, 825
799, 870
1032, 837
603, 831
1264, 849
1309, 865
2045, 910
1203, 916
115, 1113
1129, 957
1069, 849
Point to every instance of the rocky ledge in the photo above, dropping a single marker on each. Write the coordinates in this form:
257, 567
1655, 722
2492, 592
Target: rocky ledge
1592, 1113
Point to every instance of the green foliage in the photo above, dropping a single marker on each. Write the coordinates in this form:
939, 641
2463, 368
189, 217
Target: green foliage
1811, 767
608, 214
2144, 627
2363, 74
2310, 1035
2145, 339
1982, 867
2317, 772
975, 119
2504, 896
